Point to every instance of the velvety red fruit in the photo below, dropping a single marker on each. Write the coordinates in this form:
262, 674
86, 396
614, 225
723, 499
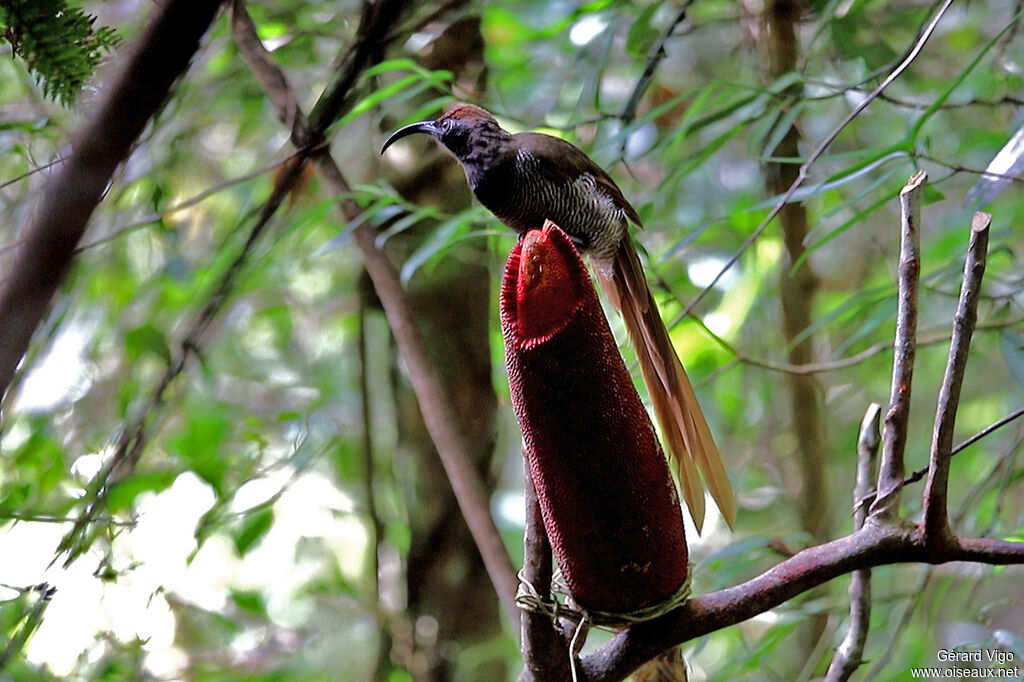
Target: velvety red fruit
608, 501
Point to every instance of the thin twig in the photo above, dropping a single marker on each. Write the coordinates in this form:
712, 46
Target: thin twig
160, 215
30, 173
372, 514
841, 363
50, 518
435, 406
820, 149
920, 473
742, 356
936, 523
181, 205
836, 90
911, 606
657, 55
849, 654
897, 415
28, 623
1013, 416
422, 22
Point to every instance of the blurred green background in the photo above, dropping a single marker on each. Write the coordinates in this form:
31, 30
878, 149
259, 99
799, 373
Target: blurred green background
288, 518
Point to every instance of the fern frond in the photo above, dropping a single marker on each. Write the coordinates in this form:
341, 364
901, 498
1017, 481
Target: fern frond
58, 43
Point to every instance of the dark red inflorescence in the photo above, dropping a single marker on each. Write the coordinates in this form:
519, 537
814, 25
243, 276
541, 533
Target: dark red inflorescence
609, 504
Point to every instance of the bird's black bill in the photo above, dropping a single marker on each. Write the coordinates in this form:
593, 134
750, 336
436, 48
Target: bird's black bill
422, 127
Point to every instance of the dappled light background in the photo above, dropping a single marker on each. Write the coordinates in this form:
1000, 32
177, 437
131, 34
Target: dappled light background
274, 524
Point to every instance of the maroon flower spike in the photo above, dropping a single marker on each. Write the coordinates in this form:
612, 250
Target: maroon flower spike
608, 501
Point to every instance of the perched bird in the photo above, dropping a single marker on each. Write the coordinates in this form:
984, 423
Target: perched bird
527, 178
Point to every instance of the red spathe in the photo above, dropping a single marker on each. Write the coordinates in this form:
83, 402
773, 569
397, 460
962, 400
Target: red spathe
608, 501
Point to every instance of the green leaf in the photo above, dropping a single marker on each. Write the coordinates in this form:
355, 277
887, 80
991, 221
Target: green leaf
422, 78
254, 527
642, 35
199, 443
122, 494
404, 223
250, 601
783, 126
1011, 342
57, 42
932, 196
279, 318
271, 29
146, 340
448, 234
936, 106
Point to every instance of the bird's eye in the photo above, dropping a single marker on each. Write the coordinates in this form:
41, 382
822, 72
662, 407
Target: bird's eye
446, 125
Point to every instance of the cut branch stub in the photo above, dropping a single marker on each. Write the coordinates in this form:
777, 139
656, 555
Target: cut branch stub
936, 525
607, 498
897, 415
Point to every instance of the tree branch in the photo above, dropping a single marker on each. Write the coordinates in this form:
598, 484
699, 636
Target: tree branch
545, 650
436, 409
876, 544
936, 521
105, 140
848, 655
894, 434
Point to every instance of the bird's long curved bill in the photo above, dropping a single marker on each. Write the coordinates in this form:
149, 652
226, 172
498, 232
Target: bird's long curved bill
411, 129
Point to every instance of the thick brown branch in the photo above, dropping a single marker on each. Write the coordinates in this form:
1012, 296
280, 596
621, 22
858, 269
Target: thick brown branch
105, 140
936, 523
987, 551
897, 416
438, 414
798, 286
545, 651
437, 411
876, 544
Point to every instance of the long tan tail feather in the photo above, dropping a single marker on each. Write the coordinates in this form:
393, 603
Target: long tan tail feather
686, 431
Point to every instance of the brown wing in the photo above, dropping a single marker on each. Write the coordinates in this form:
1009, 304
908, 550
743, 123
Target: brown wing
565, 160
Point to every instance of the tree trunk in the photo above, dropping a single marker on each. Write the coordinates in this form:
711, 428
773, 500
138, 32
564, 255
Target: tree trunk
797, 288
451, 601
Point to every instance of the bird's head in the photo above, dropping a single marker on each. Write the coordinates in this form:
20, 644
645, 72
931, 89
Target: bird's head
459, 129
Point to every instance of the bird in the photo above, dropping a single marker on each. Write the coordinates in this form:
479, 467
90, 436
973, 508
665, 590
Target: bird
527, 178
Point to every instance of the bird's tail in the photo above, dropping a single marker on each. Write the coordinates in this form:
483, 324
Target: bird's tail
685, 430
